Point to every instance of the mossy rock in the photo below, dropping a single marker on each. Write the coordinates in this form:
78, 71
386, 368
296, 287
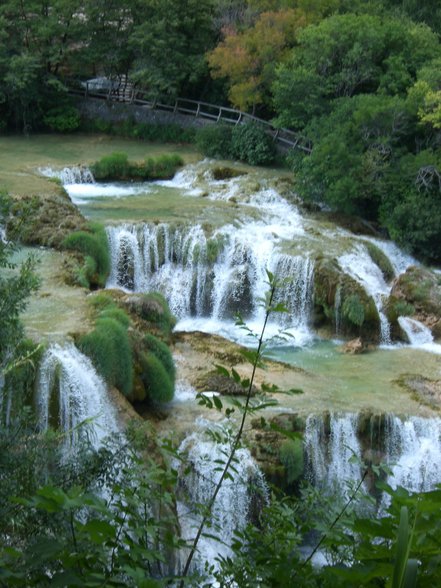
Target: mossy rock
151, 308
225, 385
358, 315
423, 389
421, 288
226, 173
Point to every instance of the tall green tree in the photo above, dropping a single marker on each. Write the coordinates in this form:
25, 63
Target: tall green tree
350, 54
170, 45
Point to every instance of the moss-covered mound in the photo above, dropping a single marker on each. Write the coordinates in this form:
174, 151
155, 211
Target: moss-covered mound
45, 221
151, 308
93, 260
125, 353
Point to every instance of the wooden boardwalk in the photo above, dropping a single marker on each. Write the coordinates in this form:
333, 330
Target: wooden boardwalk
126, 93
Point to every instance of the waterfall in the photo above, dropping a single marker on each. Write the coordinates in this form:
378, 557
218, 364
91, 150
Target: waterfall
359, 265
418, 335
73, 398
411, 448
329, 456
70, 175
238, 499
416, 332
210, 277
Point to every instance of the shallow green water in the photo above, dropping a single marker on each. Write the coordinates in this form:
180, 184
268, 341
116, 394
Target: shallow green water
333, 380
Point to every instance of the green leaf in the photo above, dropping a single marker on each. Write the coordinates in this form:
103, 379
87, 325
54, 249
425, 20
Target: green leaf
217, 402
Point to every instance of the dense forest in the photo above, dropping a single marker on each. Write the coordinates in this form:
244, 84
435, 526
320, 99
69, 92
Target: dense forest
360, 80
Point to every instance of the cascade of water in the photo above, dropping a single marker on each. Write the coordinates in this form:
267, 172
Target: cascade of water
413, 448
329, 457
296, 277
398, 258
359, 265
213, 278
315, 449
416, 332
70, 175
67, 381
235, 502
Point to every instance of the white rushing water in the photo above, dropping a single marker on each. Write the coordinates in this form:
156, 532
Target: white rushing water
73, 398
418, 335
329, 456
234, 503
359, 265
411, 448
207, 280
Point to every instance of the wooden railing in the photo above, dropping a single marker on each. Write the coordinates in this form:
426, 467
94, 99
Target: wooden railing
128, 94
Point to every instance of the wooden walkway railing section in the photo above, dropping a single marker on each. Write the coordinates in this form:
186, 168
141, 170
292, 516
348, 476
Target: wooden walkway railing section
126, 93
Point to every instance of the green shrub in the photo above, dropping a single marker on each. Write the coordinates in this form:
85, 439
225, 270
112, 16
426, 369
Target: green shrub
157, 382
353, 310
86, 272
116, 166
62, 119
291, 456
111, 167
93, 245
251, 144
109, 349
113, 312
215, 141
163, 353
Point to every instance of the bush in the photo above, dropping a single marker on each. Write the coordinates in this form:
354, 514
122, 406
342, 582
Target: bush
251, 144
116, 166
157, 382
161, 133
93, 245
113, 312
215, 141
111, 167
109, 349
163, 353
62, 119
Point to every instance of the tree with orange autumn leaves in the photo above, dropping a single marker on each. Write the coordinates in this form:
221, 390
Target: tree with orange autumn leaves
248, 58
